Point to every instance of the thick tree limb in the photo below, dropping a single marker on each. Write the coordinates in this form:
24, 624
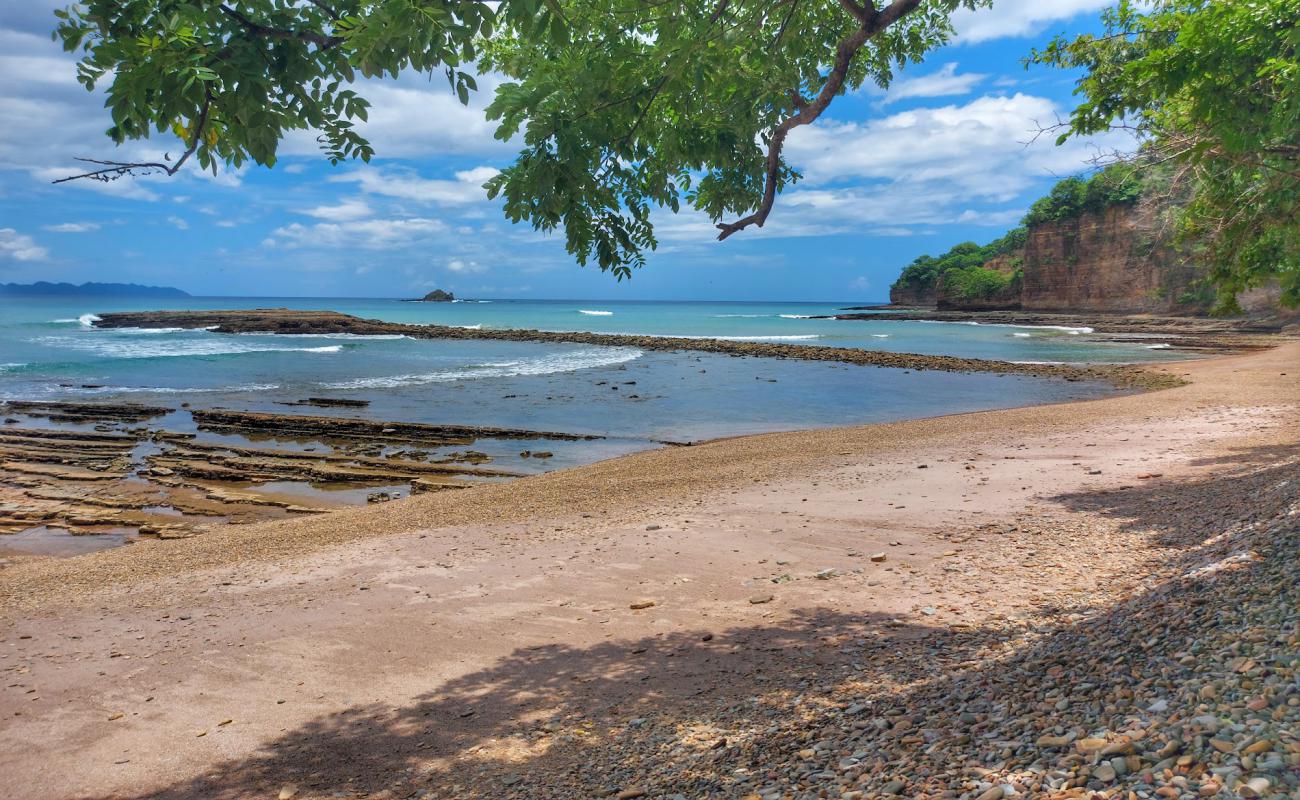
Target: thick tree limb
872, 22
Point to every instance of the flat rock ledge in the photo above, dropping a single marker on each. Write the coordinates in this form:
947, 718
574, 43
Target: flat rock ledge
290, 321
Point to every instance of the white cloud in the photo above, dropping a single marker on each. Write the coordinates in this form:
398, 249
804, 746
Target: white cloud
344, 211
981, 149
458, 265
413, 117
945, 82
466, 189
369, 234
178, 222
126, 188
954, 164
20, 247
1009, 18
73, 227
860, 283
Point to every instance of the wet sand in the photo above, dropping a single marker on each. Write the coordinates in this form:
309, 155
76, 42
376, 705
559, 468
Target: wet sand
623, 627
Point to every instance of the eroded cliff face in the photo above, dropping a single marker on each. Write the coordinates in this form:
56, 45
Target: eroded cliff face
907, 296
1120, 261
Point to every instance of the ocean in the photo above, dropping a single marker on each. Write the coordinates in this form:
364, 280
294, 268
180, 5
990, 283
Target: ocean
49, 351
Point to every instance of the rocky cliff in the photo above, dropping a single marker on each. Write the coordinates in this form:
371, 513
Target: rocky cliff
1118, 260
909, 296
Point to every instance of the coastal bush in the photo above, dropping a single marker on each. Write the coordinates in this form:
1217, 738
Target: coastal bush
1117, 184
980, 283
924, 272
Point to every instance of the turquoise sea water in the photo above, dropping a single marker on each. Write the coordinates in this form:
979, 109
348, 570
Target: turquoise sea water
48, 350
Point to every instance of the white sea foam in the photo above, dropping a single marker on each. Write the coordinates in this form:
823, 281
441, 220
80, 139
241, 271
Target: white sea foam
361, 337
244, 387
792, 338
591, 313
1159, 346
149, 331
151, 347
477, 327
879, 336
546, 365
1022, 335
1070, 329
88, 320
795, 316
13, 365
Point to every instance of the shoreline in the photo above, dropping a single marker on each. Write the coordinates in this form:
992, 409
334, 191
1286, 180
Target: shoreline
287, 321
1194, 334
767, 455
638, 604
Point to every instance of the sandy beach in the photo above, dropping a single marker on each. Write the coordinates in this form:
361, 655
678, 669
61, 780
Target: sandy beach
768, 616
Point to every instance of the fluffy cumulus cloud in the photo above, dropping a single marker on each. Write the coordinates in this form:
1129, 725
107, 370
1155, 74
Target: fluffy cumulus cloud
1018, 18
946, 82
20, 247
464, 266
367, 234
984, 148
416, 117
73, 227
349, 209
922, 168
466, 189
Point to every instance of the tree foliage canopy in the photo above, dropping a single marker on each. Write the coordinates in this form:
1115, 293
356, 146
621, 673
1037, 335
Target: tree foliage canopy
622, 106
1117, 184
1211, 87
924, 272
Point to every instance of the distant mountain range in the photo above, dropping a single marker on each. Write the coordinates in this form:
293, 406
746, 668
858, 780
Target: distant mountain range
45, 289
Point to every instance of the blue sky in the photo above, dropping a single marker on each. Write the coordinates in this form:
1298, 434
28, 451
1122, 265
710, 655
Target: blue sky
941, 157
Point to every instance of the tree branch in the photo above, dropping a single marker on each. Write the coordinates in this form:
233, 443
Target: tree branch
118, 169
311, 37
872, 23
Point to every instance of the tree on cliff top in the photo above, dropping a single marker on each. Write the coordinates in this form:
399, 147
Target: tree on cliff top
621, 105
1211, 87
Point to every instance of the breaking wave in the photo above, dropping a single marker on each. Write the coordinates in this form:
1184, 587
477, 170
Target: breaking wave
150, 347
546, 365
589, 312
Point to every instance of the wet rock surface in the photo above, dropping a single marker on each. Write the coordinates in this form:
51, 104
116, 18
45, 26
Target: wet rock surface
289, 321
101, 468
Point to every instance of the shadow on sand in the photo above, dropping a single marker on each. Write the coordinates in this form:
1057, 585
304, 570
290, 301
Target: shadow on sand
682, 713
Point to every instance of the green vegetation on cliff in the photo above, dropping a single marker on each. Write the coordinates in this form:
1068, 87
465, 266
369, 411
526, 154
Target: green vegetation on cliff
1118, 184
1212, 89
923, 274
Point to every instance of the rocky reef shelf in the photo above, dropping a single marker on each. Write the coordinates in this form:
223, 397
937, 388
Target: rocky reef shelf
1204, 334
122, 471
290, 321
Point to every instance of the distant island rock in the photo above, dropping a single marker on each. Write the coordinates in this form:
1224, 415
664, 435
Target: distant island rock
47, 289
437, 296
